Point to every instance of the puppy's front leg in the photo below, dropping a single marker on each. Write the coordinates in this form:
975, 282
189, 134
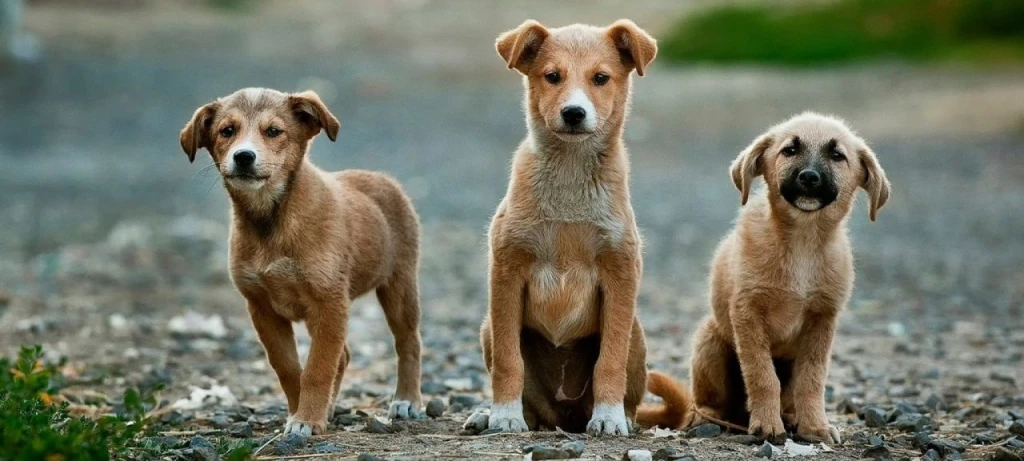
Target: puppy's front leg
506, 317
764, 392
278, 338
327, 327
620, 276
809, 373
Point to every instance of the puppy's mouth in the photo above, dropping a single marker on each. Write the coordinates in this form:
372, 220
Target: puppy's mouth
808, 201
246, 180
573, 134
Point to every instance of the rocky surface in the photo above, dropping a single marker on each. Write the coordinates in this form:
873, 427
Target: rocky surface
114, 250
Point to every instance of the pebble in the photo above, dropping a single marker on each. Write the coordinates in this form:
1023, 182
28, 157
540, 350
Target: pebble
921, 440
220, 421
163, 443
875, 417
847, 406
375, 426
705, 431
347, 419
935, 403
931, 455
669, 454
367, 457
567, 450
875, 441
289, 444
435, 407
327, 447
878, 453
765, 451
1002, 454
946, 447
638, 455
912, 422
202, 449
466, 400
240, 430
1017, 428
1016, 443
742, 439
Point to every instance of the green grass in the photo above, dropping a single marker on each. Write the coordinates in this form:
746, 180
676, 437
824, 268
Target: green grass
989, 31
35, 426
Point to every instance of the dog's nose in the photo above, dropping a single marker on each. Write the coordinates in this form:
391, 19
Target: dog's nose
245, 158
809, 178
573, 115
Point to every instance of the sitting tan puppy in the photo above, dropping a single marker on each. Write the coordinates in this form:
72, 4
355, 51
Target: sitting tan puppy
561, 340
779, 280
305, 243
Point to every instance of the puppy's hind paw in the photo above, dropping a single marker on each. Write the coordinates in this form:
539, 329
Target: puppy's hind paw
403, 410
608, 420
304, 428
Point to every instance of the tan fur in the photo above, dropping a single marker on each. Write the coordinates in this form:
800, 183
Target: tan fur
778, 281
304, 243
565, 263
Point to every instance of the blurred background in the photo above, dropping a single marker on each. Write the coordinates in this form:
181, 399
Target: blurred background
113, 246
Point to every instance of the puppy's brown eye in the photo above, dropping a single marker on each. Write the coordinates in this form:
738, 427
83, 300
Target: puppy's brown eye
789, 151
273, 132
837, 156
553, 78
601, 78
227, 131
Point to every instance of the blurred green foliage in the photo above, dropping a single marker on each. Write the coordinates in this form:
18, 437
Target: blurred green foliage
846, 30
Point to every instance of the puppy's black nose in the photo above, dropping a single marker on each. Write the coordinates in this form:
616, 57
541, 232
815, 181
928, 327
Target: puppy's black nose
573, 115
809, 178
245, 158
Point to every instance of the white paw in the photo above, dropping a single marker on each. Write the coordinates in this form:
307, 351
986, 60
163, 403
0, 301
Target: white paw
298, 427
478, 421
403, 409
507, 417
608, 420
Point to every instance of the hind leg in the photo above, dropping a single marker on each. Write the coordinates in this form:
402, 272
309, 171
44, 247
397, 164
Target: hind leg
636, 371
342, 365
709, 371
400, 300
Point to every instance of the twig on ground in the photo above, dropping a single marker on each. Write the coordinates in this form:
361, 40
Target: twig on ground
313, 455
268, 442
178, 433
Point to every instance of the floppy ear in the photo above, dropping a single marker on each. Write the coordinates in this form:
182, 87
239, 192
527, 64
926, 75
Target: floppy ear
196, 134
519, 46
635, 45
747, 165
311, 110
874, 181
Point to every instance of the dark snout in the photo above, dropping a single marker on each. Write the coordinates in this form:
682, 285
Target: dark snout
809, 188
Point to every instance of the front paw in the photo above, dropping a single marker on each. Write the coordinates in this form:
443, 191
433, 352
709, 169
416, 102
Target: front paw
767, 426
298, 426
507, 417
403, 409
608, 419
819, 432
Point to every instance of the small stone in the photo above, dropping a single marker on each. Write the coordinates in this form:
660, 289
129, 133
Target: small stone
946, 447
670, 454
367, 457
912, 422
1016, 414
163, 443
1002, 454
435, 407
877, 453
240, 430
202, 449
742, 439
766, 451
567, 450
903, 391
875, 441
1017, 428
347, 419
705, 431
375, 426
931, 455
433, 388
935, 403
638, 455
220, 421
289, 444
847, 406
326, 447
921, 440
1016, 443
466, 400
875, 417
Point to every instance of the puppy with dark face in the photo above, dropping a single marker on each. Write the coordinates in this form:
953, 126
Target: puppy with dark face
304, 243
779, 280
561, 340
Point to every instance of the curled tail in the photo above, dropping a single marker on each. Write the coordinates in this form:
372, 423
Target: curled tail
675, 407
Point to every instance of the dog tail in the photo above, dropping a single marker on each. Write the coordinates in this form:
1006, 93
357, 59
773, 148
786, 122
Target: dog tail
676, 403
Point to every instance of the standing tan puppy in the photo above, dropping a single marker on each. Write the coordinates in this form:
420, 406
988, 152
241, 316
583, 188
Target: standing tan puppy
781, 277
305, 243
561, 339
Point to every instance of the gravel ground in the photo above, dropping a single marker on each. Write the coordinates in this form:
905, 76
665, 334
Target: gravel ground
113, 249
